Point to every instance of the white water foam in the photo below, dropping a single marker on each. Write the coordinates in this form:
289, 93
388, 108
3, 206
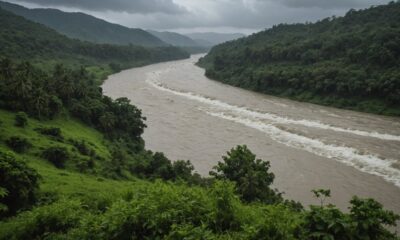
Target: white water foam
269, 116
350, 156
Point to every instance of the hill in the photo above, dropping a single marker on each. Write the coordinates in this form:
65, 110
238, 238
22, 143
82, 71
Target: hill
182, 41
209, 39
85, 27
351, 62
22, 39
174, 39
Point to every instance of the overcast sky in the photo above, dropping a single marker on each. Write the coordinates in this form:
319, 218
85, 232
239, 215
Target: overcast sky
185, 16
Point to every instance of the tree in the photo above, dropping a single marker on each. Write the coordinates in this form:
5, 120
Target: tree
56, 155
21, 119
183, 169
18, 184
251, 175
22, 85
40, 102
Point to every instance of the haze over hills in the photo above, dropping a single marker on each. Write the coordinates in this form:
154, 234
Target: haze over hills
85, 27
182, 41
211, 38
174, 39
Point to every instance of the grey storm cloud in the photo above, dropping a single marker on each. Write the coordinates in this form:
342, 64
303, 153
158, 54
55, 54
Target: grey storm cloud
131, 6
205, 15
327, 4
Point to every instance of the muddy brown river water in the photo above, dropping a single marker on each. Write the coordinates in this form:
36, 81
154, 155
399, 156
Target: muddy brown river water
309, 146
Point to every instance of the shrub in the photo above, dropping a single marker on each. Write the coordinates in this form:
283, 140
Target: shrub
18, 184
21, 119
183, 170
251, 175
18, 144
367, 220
82, 147
51, 131
56, 155
370, 219
44, 222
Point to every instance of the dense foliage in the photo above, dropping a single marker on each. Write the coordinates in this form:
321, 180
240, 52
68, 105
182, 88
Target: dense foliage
251, 175
351, 61
85, 27
18, 184
44, 96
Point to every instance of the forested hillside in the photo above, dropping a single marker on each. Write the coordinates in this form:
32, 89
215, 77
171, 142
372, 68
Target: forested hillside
85, 27
351, 62
23, 39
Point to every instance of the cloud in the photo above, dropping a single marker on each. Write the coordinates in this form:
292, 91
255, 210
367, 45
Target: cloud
328, 4
208, 15
130, 6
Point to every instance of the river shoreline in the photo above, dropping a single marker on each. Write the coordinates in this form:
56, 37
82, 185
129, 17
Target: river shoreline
192, 117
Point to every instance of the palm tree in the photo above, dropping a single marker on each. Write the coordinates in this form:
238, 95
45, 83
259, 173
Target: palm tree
6, 69
66, 89
40, 102
21, 86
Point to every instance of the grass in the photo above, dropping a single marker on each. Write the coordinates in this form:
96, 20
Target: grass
71, 129
63, 182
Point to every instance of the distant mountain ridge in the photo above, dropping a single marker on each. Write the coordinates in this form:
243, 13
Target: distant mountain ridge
210, 38
85, 27
174, 39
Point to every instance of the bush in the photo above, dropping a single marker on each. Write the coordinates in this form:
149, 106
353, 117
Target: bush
56, 155
21, 119
18, 184
18, 144
52, 132
367, 220
44, 222
251, 175
183, 170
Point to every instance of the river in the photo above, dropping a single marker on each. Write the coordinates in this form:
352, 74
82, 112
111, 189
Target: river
309, 146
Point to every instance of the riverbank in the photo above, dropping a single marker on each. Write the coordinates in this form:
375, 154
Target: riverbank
191, 117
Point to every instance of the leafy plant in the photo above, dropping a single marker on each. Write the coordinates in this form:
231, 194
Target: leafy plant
51, 131
18, 144
18, 184
21, 119
251, 175
56, 155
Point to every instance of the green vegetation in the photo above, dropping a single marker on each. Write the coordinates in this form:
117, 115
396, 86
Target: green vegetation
18, 185
70, 205
85, 27
21, 39
73, 163
349, 62
250, 174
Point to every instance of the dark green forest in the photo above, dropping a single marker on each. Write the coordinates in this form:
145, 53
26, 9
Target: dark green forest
85, 27
26, 40
74, 165
349, 62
